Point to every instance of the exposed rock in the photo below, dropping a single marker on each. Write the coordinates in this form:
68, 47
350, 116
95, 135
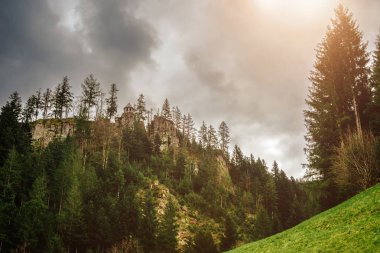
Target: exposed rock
166, 131
44, 131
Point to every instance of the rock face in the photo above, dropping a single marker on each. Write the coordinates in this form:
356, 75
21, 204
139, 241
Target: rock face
166, 130
44, 131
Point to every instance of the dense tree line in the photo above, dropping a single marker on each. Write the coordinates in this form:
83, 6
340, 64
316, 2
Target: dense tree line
94, 190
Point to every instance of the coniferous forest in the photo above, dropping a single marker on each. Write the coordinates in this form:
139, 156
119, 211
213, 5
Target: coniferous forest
78, 174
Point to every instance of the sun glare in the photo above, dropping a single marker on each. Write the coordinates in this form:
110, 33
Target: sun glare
300, 7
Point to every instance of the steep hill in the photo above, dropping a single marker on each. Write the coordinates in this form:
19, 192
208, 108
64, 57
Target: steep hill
353, 226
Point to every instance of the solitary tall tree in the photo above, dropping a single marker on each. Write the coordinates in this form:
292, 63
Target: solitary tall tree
338, 95
112, 101
140, 108
46, 102
202, 135
66, 95
90, 92
63, 98
212, 139
166, 109
224, 136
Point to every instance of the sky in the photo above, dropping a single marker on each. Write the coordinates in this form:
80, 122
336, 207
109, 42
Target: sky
245, 62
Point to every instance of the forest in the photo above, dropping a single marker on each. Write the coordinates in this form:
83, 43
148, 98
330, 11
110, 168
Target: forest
139, 187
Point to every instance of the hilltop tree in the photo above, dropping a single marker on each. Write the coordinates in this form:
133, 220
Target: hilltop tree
90, 92
140, 108
202, 135
212, 139
37, 103
63, 98
112, 101
166, 109
338, 95
29, 108
46, 102
177, 117
224, 136
66, 95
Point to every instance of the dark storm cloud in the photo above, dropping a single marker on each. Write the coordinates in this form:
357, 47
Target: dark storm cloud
218, 60
37, 48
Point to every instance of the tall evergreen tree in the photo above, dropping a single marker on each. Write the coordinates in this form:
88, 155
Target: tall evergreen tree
66, 96
46, 102
212, 139
202, 135
37, 103
112, 101
140, 108
90, 92
338, 95
166, 109
374, 107
224, 136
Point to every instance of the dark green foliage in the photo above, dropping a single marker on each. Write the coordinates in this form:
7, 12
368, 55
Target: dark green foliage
137, 143
12, 132
230, 234
148, 225
166, 240
204, 243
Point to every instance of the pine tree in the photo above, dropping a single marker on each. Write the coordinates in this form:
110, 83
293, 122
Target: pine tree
90, 93
140, 108
29, 109
230, 235
37, 103
374, 107
189, 126
166, 109
202, 135
224, 136
66, 96
46, 102
212, 139
112, 101
338, 95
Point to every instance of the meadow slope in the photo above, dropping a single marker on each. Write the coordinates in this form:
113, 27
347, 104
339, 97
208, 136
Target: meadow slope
352, 226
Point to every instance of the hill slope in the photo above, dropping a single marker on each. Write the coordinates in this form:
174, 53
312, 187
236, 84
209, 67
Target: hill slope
353, 226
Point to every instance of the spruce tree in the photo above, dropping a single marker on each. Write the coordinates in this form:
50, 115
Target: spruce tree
374, 107
46, 102
202, 135
112, 101
90, 93
224, 136
338, 95
212, 139
140, 108
166, 109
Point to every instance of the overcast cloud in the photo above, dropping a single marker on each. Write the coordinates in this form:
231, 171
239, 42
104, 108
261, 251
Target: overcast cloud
240, 61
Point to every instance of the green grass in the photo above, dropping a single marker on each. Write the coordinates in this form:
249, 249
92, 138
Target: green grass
353, 226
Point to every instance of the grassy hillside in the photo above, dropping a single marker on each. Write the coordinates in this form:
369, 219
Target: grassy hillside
353, 226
